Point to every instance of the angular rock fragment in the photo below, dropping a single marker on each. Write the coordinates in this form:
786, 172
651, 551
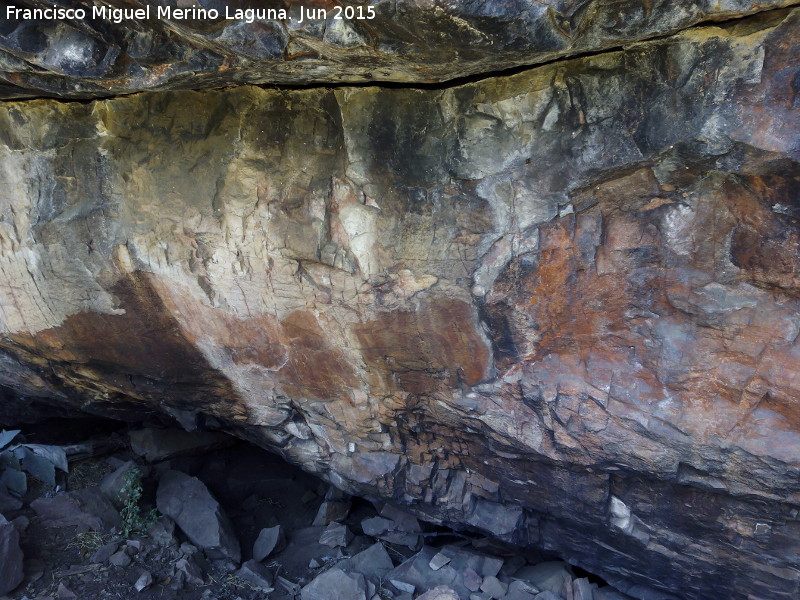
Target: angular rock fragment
11, 557
336, 535
438, 561
374, 563
270, 539
188, 502
120, 559
334, 508
64, 593
494, 587
552, 575
256, 574
548, 595
162, 444
87, 509
144, 581
521, 590
583, 589
440, 592
104, 552
334, 584
190, 571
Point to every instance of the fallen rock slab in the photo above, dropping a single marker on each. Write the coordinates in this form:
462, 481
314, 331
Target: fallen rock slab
187, 501
162, 444
335, 584
87, 509
11, 557
270, 539
257, 575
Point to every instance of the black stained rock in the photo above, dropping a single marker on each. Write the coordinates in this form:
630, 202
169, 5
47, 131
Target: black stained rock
411, 42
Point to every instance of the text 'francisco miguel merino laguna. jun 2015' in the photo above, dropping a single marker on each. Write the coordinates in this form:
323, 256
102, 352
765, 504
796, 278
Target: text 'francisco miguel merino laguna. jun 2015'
193, 13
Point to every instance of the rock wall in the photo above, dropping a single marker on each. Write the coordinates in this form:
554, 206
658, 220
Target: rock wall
112, 51
559, 306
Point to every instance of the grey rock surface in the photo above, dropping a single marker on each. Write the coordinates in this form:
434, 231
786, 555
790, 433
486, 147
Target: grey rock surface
440, 592
162, 444
11, 557
256, 574
382, 41
187, 501
334, 584
87, 509
270, 539
562, 302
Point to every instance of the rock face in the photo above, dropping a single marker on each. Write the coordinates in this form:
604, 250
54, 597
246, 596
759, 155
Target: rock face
114, 50
561, 306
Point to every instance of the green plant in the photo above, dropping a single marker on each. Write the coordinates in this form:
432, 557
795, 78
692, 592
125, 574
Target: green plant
134, 520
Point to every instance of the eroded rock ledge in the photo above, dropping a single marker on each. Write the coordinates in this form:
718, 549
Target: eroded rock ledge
421, 41
560, 306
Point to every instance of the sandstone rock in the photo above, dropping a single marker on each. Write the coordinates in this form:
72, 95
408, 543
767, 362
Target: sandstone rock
11, 557
336, 535
104, 552
270, 539
256, 575
374, 563
583, 590
334, 584
113, 483
120, 559
552, 575
494, 587
87, 509
561, 308
189, 571
438, 561
522, 590
188, 502
144, 581
411, 42
64, 593
334, 507
440, 592
161, 444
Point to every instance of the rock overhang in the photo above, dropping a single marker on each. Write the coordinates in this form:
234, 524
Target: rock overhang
107, 54
545, 304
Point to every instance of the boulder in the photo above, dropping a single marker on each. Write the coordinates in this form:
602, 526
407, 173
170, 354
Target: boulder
187, 501
11, 557
335, 584
155, 445
87, 509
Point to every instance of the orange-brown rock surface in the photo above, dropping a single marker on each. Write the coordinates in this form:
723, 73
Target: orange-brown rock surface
560, 306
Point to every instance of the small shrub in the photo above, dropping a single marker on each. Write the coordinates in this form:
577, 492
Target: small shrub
134, 520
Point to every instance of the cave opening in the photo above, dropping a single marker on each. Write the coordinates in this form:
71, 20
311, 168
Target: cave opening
160, 511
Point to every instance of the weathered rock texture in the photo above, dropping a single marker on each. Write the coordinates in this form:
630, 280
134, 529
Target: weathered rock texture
561, 306
406, 41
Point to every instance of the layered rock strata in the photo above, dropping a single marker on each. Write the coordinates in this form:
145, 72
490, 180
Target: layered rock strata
560, 306
123, 46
